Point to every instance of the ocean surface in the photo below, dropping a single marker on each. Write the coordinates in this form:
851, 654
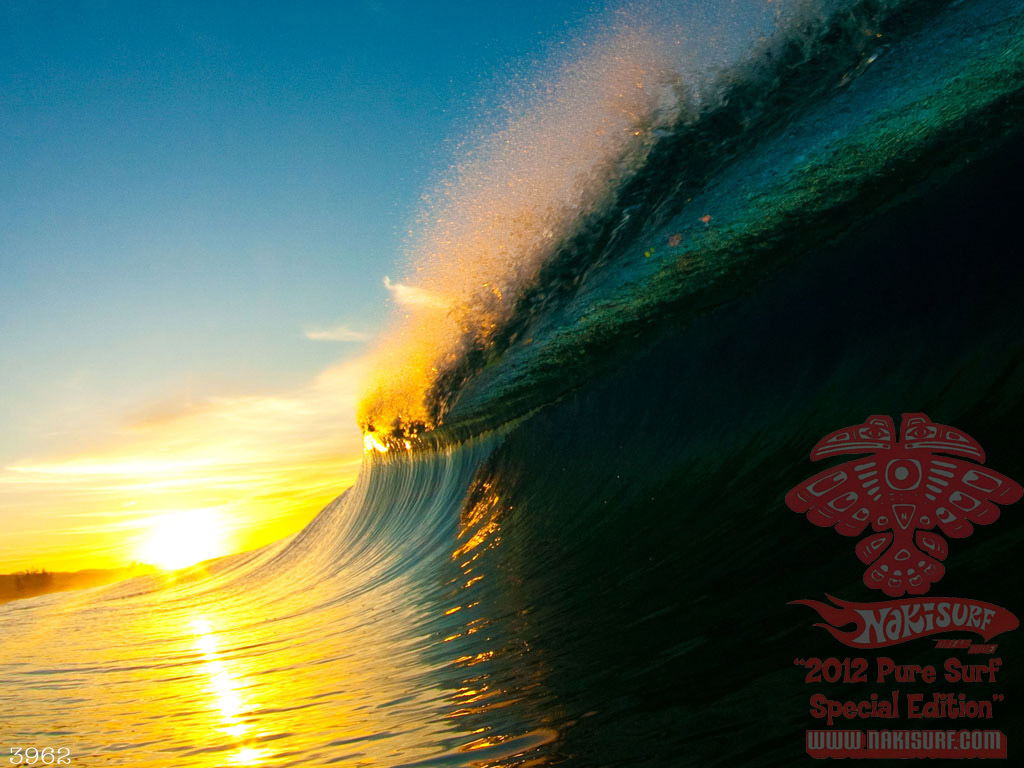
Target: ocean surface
575, 548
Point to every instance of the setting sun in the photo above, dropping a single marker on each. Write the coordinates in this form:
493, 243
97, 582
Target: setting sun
185, 537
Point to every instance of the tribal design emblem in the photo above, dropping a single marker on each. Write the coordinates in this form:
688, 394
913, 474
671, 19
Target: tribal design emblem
903, 490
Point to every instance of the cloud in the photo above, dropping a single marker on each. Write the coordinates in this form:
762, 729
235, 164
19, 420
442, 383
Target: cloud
411, 296
338, 333
265, 461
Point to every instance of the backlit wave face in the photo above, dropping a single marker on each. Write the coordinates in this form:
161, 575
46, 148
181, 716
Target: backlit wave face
489, 227
560, 167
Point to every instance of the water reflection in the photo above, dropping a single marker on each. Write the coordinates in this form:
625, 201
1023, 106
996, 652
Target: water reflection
495, 697
227, 698
384, 642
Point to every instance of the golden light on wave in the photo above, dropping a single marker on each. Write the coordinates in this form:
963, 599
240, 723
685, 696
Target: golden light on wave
498, 216
182, 538
371, 443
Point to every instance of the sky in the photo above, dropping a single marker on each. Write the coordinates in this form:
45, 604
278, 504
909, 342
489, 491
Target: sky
199, 204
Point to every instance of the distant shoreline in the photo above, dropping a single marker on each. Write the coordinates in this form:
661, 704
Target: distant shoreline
19, 586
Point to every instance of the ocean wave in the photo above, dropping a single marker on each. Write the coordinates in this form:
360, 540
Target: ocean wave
550, 211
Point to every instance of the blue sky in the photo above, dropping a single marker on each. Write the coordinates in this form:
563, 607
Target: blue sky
185, 187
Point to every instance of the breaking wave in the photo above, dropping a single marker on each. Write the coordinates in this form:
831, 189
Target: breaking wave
613, 354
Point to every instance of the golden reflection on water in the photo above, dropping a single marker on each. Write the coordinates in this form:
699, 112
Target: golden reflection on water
479, 701
279, 675
247, 756
279, 667
224, 689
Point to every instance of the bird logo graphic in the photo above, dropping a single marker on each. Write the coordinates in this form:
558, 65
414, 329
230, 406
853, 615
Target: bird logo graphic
910, 493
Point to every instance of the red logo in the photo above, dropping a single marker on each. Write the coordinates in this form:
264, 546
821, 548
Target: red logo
904, 490
877, 625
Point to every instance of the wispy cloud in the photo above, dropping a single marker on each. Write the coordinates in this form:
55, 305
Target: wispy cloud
338, 333
266, 462
410, 296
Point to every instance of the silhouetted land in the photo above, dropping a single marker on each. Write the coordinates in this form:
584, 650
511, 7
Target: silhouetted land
15, 586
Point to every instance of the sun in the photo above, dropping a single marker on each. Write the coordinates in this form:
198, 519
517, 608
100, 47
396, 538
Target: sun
182, 538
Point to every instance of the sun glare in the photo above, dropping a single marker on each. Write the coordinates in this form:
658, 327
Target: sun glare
182, 538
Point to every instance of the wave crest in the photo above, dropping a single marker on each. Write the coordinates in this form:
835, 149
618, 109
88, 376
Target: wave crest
609, 146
